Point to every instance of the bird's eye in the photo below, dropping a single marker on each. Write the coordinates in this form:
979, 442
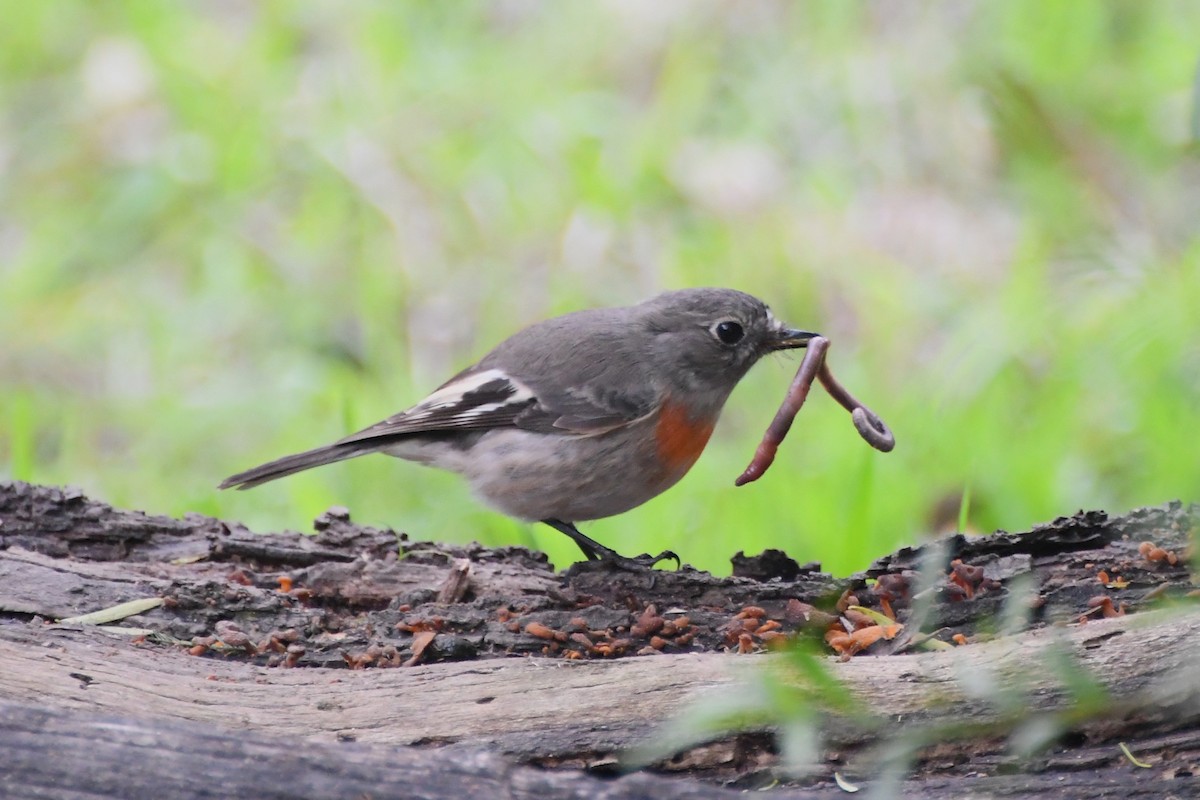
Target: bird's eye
728, 331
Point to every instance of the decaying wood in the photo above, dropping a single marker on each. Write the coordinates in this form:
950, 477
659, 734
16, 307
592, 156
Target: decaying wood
542, 709
365, 597
53, 755
56, 754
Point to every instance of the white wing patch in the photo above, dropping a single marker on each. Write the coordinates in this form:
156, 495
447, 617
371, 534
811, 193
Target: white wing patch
489, 382
477, 400
452, 393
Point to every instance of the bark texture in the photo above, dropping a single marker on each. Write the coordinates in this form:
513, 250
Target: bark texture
266, 667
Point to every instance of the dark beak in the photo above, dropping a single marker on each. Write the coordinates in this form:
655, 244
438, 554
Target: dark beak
789, 339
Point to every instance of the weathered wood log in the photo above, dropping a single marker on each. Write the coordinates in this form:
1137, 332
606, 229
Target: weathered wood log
351, 591
543, 710
56, 754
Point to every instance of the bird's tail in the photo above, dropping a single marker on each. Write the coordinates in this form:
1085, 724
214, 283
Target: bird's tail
289, 465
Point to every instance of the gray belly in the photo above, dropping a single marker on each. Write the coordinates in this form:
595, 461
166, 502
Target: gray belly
538, 476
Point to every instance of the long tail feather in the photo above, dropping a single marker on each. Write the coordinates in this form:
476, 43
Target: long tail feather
292, 464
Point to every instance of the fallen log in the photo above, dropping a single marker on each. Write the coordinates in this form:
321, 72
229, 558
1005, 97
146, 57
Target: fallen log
488, 684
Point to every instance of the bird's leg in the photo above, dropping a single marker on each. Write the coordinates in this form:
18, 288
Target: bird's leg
594, 551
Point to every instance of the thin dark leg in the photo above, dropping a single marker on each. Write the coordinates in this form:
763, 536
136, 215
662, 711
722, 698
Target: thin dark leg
594, 551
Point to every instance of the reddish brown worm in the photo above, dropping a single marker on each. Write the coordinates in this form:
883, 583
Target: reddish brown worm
870, 427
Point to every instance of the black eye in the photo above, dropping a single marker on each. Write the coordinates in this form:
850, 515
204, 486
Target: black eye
729, 332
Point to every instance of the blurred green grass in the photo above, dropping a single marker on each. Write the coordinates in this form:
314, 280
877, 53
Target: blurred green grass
230, 231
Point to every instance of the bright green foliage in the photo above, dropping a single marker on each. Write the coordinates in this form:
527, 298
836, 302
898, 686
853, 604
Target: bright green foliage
233, 230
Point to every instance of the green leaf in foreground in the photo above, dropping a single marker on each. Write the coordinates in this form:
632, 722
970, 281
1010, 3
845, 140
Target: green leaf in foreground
1132, 759
114, 613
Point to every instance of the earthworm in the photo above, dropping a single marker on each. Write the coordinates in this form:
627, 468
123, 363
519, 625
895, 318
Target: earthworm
870, 427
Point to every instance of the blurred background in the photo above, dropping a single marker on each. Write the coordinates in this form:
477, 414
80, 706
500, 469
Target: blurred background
234, 229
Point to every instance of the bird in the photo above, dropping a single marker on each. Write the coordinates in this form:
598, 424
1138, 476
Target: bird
581, 416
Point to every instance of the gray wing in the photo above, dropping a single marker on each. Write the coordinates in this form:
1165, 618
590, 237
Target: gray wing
475, 399
568, 375
573, 376
585, 370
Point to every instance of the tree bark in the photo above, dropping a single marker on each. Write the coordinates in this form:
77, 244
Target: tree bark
130, 712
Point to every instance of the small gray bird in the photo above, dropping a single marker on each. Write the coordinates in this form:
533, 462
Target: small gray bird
581, 416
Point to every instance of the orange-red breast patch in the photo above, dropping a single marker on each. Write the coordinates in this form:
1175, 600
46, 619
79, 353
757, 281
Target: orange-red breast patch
680, 438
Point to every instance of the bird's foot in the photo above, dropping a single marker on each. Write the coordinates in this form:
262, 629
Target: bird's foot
594, 551
636, 563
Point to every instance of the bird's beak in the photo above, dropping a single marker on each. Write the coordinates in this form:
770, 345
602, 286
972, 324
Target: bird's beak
785, 338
